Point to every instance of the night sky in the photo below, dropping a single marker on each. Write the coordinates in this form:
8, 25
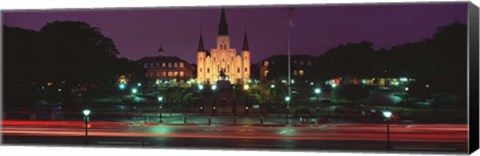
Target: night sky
139, 32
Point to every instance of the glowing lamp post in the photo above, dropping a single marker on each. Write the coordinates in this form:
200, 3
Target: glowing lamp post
287, 99
272, 86
86, 119
160, 107
122, 86
317, 92
134, 90
387, 114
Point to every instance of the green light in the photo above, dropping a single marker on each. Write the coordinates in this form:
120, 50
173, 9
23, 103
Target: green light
387, 114
200, 87
287, 98
403, 79
134, 90
406, 89
160, 99
318, 90
157, 82
214, 87
86, 112
272, 86
249, 81
139, 84
286, 131
333, 85
122, 86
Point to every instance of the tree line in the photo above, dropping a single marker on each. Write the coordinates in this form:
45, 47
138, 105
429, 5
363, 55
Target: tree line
70, 52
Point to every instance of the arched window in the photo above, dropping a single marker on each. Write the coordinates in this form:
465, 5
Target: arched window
208, 70
238, 70
175, 74
175, 65
164, 74
170, 74
157, 74
181, 74
181, 65
246, 70
200, 69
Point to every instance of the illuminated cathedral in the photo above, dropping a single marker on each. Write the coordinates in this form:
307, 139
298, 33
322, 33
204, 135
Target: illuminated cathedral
235, 67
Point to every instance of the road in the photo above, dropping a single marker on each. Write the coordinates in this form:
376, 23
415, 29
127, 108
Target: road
422, 137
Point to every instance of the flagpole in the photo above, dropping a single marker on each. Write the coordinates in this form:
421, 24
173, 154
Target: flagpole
290, 12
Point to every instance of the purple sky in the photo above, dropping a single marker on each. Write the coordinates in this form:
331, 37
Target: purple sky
139, 32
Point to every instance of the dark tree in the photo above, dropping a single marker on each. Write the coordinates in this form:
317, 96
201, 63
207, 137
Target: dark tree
352, 93
78, 53
354, 59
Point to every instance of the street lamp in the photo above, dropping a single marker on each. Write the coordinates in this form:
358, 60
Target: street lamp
139, 84
86, 119
122, 86
160, 107
287, 99
272, 97
317, 92
134, 90
214, 87
387, 114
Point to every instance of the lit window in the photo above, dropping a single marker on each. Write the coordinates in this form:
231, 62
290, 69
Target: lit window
169, 65
175, 74
164, 74
300, 72
175, 65
265, 63
181, 65
266, 72
170, 74
181, 74
295, 72
164, 65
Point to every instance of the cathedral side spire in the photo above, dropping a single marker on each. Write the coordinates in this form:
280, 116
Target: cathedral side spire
223, 26
201, 47
245, 43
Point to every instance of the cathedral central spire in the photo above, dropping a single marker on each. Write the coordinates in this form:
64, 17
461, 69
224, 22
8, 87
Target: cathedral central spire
223, 26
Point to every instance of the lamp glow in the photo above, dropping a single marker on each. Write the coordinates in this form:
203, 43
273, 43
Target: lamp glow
387, 114
86, 112
318, 90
